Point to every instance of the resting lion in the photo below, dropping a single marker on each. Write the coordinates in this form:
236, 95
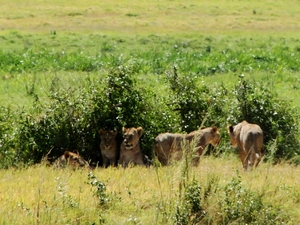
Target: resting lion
108, 147
169, 147
248, 138
70, 159
130, 151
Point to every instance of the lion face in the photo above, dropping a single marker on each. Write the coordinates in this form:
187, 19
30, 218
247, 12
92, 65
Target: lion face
234, 132
131, 137
233, 140
108, 138
75, 160
215, 136
71, 159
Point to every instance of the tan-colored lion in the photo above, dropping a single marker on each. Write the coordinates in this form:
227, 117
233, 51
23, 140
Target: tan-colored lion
130, 151
71, 159
248, 138
108, 147
169, 147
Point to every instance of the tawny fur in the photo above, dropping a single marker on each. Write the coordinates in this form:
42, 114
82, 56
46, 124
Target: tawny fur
169, 147
248, 138
108, 147
130, 151
71, 159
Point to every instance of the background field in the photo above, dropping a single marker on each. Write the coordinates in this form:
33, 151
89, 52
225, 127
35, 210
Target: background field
124, 27
72, 45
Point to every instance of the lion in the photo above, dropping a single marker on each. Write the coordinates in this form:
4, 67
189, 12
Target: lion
130, 151
248, 138
71, 159
108, 147
169, 147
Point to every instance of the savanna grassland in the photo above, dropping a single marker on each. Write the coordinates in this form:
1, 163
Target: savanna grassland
68, 68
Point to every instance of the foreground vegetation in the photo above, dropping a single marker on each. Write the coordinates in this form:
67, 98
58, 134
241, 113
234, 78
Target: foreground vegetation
216, 192
68, 69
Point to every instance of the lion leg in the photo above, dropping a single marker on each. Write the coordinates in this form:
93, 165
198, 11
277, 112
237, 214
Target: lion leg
161, 155
252, 158
196, 160
258, 159
244, 159
163, 160
105, 161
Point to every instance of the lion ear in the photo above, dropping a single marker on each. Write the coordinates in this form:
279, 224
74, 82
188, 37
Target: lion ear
100, 131
230, 129
139, 131
214, 129
124, 130
67, 154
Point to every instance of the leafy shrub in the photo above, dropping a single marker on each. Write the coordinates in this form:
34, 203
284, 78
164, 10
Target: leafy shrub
240, 205
123, 103
100, 191
54, 127
196, 104
72, 117
189, 210
8, 136
257, 103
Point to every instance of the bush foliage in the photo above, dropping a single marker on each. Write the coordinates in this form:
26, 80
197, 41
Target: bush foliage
112, 98
72, 117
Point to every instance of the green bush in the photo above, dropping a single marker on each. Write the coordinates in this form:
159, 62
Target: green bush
197, 104
189, 209
239, 205
54, 127
257, 103
123, 103
72, 117
8, 136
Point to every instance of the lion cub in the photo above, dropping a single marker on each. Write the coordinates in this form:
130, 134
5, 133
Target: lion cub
71, 159
108, 147
130, 151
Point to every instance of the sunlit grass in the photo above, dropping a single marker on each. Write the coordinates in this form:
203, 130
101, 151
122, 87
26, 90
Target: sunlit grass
44, 195
146, 17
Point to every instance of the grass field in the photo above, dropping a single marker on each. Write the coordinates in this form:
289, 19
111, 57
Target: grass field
156, 17
42, 195
78, 41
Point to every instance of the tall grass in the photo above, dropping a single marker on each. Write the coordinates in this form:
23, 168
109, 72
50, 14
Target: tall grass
217, 189
54, 61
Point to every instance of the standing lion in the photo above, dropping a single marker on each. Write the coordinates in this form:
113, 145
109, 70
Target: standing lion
248, 138
169, 147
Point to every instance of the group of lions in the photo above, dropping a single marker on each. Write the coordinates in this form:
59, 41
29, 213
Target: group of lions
170, 147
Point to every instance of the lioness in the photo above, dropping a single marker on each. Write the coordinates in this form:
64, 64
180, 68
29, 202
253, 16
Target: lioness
108, 147
71, 159
169, 147
248, 138
130, 151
